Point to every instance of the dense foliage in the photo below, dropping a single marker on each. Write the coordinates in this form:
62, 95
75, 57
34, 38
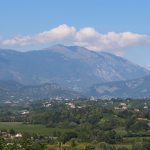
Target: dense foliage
101, 123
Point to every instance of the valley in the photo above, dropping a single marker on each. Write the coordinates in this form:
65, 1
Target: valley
79, 123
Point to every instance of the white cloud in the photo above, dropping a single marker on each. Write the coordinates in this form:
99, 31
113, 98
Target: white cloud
148, 66
59, 33
87, 37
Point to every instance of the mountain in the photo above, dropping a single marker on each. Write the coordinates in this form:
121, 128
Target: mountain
136, 88
72, 67
12, 90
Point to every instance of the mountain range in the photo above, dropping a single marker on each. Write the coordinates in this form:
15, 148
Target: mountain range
66, 69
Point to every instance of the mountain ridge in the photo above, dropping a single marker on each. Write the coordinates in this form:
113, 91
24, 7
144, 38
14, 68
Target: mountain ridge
11, 90
135, 88
69, 66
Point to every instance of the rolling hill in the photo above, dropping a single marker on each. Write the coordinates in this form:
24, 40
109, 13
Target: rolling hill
11, 90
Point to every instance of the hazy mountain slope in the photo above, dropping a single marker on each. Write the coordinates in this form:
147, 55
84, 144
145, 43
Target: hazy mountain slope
13, 90
137, 88
73, 67
132, 88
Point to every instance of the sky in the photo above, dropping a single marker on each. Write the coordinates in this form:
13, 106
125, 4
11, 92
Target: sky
121, 27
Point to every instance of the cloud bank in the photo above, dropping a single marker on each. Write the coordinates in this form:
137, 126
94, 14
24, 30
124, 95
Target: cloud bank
148, 66
86, 37
57, 34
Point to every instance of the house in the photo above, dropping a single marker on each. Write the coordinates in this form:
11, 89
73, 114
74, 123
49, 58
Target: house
71, 105
142, 119
145, 107
47, 104
24, 112
18, 135
123, 104
124, 107
136, 110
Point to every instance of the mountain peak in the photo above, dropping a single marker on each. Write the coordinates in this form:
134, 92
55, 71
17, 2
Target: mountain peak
70, 66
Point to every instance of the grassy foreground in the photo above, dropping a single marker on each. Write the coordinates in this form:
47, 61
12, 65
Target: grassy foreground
30, 128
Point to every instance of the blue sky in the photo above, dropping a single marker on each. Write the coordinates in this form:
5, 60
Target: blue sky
33, 21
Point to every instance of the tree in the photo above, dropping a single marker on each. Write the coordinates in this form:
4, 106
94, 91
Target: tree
73, 144
137, 146
68, 136
12, 131
2, 143
146, 145
104, 146
89, 147
111, 137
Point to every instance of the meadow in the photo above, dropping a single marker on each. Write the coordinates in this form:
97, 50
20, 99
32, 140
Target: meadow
31, 128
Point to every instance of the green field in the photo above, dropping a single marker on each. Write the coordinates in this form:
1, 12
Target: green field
42, 130
30, 128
